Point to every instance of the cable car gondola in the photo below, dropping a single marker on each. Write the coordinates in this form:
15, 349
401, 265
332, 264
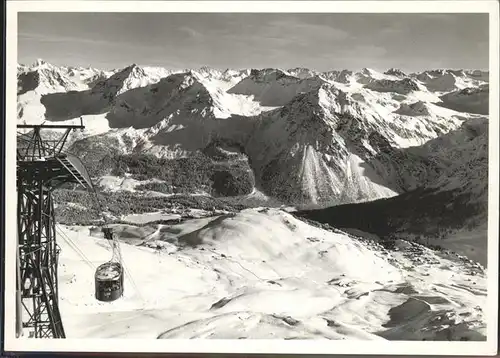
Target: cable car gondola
109, 276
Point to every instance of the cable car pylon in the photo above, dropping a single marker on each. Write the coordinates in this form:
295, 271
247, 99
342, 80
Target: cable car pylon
42, 166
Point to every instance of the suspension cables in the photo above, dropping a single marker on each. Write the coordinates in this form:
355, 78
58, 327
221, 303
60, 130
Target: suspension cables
108, 235
74, 246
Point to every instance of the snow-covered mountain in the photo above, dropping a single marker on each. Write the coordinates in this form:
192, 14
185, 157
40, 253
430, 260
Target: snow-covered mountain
310, 137
43, 77
395, 72
302, 72
344, 76
41, 80
449, 80
274, 87
469, 99
445, 194
304, 151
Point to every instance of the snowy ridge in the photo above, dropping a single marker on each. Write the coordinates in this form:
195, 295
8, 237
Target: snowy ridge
41, 79
222, 80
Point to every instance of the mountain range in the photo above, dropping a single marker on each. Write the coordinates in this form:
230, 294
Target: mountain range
295, 137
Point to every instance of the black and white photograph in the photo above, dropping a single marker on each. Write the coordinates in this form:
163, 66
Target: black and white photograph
286, 173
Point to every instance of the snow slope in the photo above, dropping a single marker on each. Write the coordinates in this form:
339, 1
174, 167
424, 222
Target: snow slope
265, 274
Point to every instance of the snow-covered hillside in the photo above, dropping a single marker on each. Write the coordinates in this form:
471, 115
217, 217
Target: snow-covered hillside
265, 274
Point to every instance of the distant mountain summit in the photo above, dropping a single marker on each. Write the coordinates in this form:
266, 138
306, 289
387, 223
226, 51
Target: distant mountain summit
395, 72
301, 72
273, 87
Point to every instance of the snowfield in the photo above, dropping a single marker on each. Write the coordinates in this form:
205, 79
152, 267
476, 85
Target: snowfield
265, 274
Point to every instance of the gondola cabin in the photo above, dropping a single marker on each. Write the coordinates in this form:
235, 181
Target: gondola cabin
109, 276
109, 282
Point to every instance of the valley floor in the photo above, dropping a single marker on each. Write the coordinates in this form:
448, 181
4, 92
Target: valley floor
262, 273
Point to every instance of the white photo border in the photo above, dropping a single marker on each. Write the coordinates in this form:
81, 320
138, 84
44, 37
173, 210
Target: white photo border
489, 347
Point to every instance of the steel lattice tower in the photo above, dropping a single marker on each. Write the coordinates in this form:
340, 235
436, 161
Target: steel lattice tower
41, 167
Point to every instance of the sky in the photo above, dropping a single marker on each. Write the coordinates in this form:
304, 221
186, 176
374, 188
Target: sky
324, 41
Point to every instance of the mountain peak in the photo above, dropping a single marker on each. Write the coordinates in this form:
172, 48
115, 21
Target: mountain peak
395, 72
123, 80
134, 68
274, 87
301, 72
368, 71
401, 86
39, 62
207, 70
268, 74
342, 76
325, 101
